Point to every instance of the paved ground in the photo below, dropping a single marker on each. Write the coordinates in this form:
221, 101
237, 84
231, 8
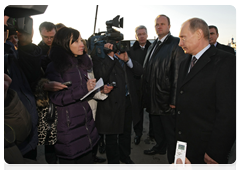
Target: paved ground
137, 150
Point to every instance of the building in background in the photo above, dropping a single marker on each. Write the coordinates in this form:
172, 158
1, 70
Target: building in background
232, 44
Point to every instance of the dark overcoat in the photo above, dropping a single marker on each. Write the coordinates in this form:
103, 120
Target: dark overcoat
160, 76
137, 54
21, 85
111, 111
206, 106
226, 48
76, 131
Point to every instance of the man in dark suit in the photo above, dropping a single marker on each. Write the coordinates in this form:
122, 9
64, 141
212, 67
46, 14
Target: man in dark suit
138, 53
159, 86
206, 96
213, 30
115, 114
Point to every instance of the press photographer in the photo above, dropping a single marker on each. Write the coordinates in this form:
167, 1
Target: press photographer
115, 115
14, 65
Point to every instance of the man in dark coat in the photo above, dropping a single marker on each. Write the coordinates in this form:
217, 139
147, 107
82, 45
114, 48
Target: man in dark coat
206, 96
213, 30
115, 114
138, 53
159, 86
47, 31
15, 68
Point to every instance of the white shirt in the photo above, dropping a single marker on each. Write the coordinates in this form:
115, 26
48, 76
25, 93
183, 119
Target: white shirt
162, 40
142, 46
199, 54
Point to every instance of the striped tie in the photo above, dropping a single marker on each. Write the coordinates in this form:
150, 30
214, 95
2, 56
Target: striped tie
193, 62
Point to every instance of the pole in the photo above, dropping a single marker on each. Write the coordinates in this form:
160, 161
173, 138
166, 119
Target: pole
95, 20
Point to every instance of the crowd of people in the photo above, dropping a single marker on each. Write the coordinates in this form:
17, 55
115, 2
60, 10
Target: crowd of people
187, 85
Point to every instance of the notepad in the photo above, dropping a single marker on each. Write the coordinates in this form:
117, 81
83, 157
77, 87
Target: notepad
99, 84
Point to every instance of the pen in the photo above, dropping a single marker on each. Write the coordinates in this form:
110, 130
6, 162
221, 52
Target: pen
86, 77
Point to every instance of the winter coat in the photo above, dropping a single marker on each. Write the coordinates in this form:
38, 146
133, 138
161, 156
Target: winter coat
225, 48
111, 111
160, 76
17, 117
30, 63
98, 96
137, 54
45, 60
76, 131
25, 94
206, 106
17, 127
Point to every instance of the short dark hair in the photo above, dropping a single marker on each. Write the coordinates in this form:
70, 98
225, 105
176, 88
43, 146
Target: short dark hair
162, 15
48, 26
213, 26
197, 23
59, 25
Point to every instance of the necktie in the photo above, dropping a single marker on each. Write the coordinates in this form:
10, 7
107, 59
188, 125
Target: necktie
157, 44
193, 62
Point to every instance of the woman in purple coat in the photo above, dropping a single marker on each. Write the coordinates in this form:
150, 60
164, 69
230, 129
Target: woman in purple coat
76, 131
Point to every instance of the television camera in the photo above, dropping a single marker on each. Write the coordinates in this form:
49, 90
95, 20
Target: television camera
20, 21
97, 40
19, 16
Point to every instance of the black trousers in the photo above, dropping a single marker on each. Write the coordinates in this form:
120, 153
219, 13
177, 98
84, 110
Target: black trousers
164, 132
86, 158
94, 150
50, 154
138, 128
32, 154
118, 146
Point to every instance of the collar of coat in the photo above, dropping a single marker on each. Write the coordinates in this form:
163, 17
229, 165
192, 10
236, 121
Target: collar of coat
61, 56
137, 46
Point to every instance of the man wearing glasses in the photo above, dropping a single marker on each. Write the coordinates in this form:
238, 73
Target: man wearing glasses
47, 31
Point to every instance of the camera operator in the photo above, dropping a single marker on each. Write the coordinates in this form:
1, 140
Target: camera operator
22, 87
20, 135
115, 114
23, 67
